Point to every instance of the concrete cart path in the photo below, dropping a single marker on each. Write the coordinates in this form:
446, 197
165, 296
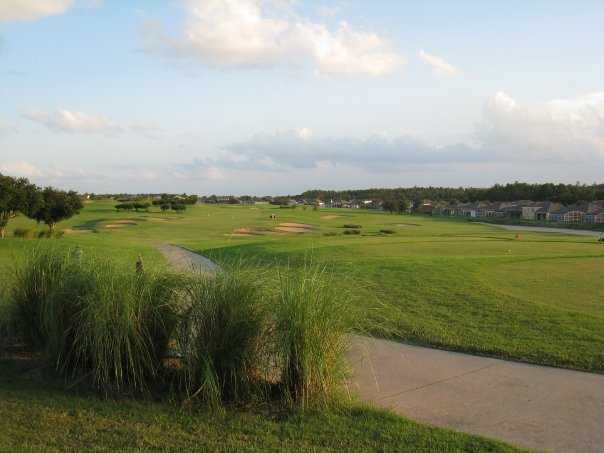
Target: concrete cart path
554, 230
183, 259
542, 408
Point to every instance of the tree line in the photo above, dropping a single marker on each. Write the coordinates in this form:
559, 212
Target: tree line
45, 205
563, 193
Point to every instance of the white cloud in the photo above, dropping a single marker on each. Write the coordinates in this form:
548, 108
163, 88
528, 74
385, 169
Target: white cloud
23, 10
439, 65
21, 169
556, 132
70, 121
562, 129
300, 149
79, 122
253, 33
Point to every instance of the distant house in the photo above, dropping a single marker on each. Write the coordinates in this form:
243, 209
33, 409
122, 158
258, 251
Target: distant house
595, 212
425, 207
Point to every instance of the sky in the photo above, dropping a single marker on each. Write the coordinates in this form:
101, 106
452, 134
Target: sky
280, 96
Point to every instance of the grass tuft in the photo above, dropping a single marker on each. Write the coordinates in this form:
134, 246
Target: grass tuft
223, 336
91, 320
314, 323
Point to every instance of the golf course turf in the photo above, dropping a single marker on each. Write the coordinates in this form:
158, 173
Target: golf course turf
533, 297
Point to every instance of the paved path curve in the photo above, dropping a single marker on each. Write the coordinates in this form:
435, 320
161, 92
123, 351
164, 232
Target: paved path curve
544, 229
182, 259
537, 407
543, 408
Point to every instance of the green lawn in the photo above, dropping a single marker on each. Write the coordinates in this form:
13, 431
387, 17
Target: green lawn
36, 417
447, 283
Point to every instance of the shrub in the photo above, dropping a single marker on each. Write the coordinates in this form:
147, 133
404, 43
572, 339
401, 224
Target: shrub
352, 231
351, 225
89, 319
24, 233
387, 231
222, 337
313, 325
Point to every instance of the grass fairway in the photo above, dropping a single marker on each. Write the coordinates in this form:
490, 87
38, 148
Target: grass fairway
447, 283
43, 418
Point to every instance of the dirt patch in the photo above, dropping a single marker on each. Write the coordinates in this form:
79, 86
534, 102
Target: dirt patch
330, 217
113, 226
239, 235
124, 222
407, 225
296, 225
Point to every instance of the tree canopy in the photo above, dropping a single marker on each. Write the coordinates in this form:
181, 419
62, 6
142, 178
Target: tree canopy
17, 195
56, 206
563, 193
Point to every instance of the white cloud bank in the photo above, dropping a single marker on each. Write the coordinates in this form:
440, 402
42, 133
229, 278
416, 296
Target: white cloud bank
84, 123
24, 10
251, 33
439, 65
560, 131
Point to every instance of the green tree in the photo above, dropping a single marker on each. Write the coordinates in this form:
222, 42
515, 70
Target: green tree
389, 205
16, 195
402, 205
56, 206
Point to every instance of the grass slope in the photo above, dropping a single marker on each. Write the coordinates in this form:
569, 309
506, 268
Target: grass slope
36, 418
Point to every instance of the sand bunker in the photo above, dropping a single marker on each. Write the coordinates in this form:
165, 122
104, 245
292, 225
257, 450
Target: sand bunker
243, 232
296, 225
330, 217
292, 229
120, 224
161, 219
72, 231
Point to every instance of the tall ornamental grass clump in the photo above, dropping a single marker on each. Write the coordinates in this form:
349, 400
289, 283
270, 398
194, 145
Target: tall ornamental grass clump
92, 320
6, 318
313, 324
223, 337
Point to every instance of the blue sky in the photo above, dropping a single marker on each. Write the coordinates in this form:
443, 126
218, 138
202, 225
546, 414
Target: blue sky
279, 96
